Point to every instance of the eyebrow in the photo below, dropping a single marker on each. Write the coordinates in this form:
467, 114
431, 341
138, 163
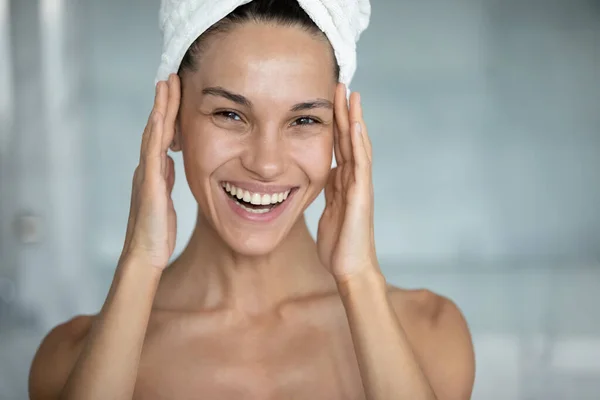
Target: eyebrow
243, 101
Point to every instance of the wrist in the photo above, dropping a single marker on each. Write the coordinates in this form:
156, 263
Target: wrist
133, 288
143, 259
138, 269
370, 280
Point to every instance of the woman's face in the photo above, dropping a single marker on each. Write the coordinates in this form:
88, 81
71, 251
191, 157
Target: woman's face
256, 131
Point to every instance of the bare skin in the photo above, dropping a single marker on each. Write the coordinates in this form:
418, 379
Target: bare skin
304, 351
248, 310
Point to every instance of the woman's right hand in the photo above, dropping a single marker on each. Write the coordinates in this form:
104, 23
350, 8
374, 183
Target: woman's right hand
152, 225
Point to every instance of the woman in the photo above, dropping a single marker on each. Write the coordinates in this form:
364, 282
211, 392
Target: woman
254, 307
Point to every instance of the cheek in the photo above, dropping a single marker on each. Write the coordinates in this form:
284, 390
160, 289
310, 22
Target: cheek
314, 158
205, 149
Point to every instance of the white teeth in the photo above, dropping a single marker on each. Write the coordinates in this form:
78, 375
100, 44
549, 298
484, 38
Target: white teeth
247, 196
255, 210
255, 198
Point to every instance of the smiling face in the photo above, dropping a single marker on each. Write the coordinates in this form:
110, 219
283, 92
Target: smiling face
256, 131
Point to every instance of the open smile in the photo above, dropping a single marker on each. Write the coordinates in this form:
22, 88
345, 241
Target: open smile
257, 205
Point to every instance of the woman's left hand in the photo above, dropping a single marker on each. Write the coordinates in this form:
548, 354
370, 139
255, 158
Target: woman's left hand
345, 237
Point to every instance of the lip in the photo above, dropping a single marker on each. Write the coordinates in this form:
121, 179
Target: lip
262, 218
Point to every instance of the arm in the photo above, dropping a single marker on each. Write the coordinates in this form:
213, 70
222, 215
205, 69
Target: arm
103, 362
87, 358
108, 364
437, 364
389, 365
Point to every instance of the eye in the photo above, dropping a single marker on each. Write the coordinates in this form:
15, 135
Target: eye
228, 115
306, 121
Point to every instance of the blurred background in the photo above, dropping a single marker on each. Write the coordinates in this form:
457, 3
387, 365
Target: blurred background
485, 121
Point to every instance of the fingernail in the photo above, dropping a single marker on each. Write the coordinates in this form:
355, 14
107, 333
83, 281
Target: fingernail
358, 127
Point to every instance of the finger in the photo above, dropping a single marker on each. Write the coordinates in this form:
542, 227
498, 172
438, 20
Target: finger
358, 146
148, 127
162, 100
173, 99
343, 124
153, 155
363, 155
361, 159
365, 133
159, 105
154, 148
354, 112
336, 131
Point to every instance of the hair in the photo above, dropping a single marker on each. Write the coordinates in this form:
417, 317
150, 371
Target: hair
286, 13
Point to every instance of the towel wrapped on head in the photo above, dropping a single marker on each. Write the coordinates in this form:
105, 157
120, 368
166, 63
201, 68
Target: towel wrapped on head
183, 21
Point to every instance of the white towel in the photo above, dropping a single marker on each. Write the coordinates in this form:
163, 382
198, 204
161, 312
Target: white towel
182, 21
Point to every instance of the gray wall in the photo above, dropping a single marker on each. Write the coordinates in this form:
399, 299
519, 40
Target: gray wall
485, 121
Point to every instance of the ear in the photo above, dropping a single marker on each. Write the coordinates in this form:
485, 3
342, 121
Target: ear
176, 143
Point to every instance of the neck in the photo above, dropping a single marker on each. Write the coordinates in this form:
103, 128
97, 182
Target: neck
209, 275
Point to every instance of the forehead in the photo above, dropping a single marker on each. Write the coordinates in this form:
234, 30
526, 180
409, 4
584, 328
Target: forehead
254, 57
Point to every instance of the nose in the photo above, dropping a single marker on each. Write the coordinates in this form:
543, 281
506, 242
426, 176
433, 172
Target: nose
266, 155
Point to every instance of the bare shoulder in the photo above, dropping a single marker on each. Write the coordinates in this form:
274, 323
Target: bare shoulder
56, 356
440, 337
425, 308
